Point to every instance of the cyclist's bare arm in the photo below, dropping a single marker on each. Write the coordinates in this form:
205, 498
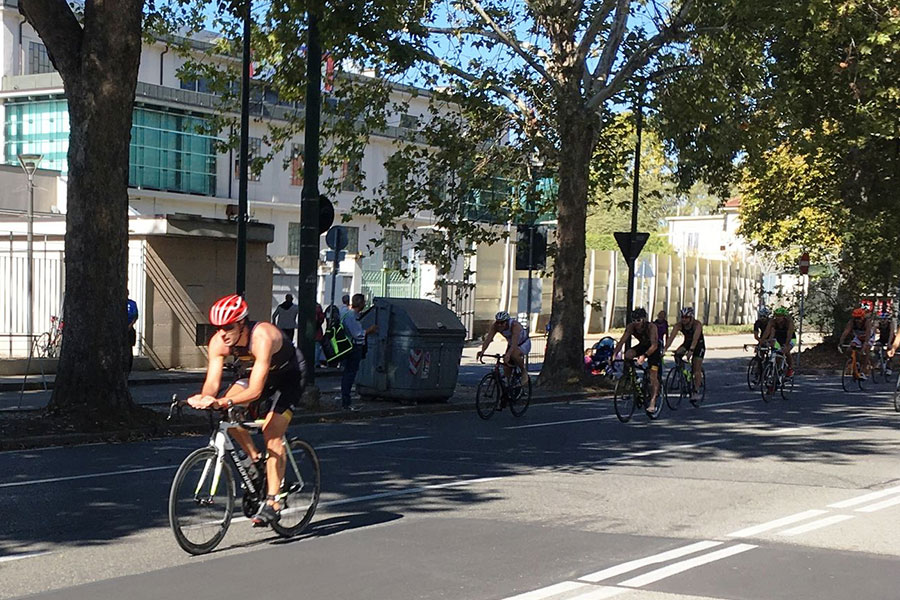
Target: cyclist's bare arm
623, 339
654, 340
488, 338
768, 333
697, 333
846, 332
217, 353
262, 346
676, 329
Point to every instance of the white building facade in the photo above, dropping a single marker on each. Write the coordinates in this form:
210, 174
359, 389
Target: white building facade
174, 168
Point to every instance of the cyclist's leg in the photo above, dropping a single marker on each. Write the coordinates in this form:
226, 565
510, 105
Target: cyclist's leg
866, 360
273, 429
788, 355
516, 357
697, 367
239, 434
654, 361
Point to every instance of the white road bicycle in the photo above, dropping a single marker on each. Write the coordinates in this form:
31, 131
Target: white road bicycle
202, 498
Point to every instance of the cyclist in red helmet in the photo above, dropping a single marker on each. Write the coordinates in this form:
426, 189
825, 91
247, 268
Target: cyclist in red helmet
860, 325
270, 371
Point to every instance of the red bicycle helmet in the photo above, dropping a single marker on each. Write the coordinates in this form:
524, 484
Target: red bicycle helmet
228, 310
859, 313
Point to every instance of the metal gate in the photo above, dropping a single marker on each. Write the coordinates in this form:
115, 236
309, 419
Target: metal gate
459, 296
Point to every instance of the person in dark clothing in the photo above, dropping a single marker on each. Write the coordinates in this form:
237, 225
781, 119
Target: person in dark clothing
761, 324
132, 333
352, 359
285, 316
662, 328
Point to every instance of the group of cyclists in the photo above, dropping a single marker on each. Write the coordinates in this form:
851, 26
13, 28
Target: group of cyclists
868, 331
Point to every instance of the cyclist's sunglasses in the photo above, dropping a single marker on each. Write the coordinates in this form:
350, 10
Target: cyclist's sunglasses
229, 327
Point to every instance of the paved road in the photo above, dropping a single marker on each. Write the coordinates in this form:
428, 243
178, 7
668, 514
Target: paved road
735, 500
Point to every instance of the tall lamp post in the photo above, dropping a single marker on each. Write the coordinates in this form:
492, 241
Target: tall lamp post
30, 164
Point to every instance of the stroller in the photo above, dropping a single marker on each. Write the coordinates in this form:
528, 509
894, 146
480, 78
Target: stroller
597, 358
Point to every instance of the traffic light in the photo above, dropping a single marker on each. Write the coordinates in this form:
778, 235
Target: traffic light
525, 235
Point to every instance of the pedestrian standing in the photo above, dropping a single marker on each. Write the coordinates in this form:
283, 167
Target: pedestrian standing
320, 335
352, 359
662, 327
285, 316
345, 305
132, 310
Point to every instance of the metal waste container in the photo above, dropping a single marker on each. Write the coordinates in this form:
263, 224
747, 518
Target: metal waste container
415, 353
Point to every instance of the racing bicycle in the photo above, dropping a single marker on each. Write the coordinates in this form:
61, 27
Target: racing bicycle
680, 383
774, 375
495, 391
755, 367
853, 371
202, 498
633, 390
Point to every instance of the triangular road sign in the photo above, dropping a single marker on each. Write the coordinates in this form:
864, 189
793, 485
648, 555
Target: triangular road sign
631, 244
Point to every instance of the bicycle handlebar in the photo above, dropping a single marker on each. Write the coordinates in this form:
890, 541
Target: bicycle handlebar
178, 405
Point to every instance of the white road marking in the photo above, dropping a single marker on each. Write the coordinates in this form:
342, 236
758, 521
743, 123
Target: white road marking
86, 476
751, 531
680, 567
549, 591
817, 524
880, 505
407, 491
610, 417
599, 593
375, 443
827, 424
650, 560
865, 498
13, 557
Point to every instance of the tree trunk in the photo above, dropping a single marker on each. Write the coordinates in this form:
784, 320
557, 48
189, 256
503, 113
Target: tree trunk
578, 135
98, 61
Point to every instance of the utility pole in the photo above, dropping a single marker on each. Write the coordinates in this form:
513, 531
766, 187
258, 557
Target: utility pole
309, 199
243, 158
639, 124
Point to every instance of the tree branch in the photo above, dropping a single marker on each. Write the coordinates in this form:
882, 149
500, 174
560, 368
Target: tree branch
60, 31
611, 50
640, 57
512, 43
594, 28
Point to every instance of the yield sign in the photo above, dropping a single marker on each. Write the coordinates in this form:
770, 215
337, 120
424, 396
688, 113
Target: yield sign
631, 244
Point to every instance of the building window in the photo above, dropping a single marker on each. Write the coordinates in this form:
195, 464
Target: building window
166, 152
409, 121
352, 239
297, 158
393, 249
254, 150
293, 239
350, 175
38, 59
196, 85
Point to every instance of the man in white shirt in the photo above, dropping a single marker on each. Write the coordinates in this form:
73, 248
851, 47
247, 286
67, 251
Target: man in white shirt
352, 359
285, 316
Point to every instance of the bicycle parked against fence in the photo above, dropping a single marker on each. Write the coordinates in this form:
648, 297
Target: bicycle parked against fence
680, 384
633, 391
495, 392
47, 344
202, 498
853, 369
755, 367
775, 375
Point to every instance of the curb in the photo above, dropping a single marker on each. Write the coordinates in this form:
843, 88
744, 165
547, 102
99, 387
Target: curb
34, 382
333, 416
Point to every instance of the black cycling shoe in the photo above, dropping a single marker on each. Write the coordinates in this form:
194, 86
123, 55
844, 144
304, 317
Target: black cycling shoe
266, 515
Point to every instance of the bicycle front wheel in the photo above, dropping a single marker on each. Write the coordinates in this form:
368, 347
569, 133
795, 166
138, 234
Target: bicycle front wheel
520, 397
673, 387
754, 373
201, 501
847, 375
769, 383
300, 489
624, 398
42, 346
877, 363
487, 396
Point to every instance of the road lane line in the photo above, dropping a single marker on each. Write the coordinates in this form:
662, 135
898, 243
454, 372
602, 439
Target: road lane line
751, 531
339, 445
407, 491
13, 557
87, 476
817, 524
600, 593
866, 498
880, 505
680, 567
649, 560
827, 424
549, 591
611, 417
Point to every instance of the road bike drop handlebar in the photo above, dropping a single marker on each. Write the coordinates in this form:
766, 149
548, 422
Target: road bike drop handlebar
176, 406
497, 357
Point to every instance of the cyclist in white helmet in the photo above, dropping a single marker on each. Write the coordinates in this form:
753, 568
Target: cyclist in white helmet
693, 348
516, 351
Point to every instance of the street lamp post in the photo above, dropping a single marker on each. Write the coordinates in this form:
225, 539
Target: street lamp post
30, 164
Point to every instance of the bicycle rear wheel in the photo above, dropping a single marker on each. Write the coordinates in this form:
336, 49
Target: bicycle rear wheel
42, 346
878, 374
487, 396
300, 489
673, 387
787, 386
519, 395
769, 383
201, 501
754, 373
624, 397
